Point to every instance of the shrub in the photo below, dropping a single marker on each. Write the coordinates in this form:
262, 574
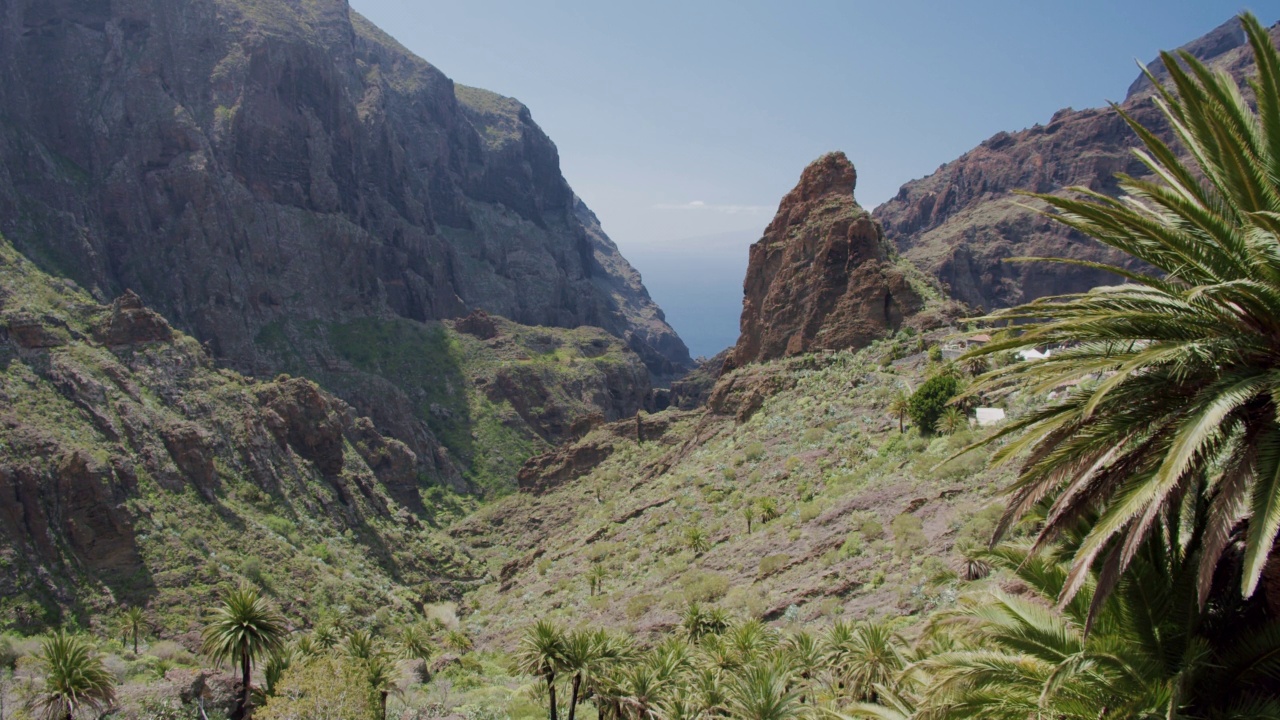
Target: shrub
852, 546
704, 586
813, 436
638, 605
730, 474
908, 534
770, 564
754, 452
930, 400
327, 686
871, 529
543, 566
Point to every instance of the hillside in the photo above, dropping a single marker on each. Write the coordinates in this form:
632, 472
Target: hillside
256, 171
868, 519
962, 222
134, 471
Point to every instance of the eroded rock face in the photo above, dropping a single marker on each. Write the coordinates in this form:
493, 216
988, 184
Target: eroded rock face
123, 413
963, 222
822, 277
246, 166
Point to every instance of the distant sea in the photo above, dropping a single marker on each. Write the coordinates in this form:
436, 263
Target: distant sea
698, 284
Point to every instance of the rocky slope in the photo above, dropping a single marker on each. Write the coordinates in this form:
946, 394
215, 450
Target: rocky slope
255, 169
962, 222
133, 471
862, 520
822, 277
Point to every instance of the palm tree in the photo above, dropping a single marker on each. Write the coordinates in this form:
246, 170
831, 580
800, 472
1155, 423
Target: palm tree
1151, 652
245, 629
899, 406
74, 678
382, 677
360, 645
1188, 403
975, 366
952, 421
763, 692
749, 514
457, 641
541, 653
134, 618
582, 653
415, 644
596, 577
325, 637
696, 540
768, 509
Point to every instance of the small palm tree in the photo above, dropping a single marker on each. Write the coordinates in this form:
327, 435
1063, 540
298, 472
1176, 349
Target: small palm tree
382, 677
899, 406
458, 641
696, 540
764, 691
244, 630
134, 619
749, 514
541, 653
326, 637
596, 576
975, 366
415, 644
583, 655
952, 421
768, 509
360, 645
74, 678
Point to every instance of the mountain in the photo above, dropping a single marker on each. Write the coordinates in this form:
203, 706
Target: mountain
134, 471
823, 277
963, 222
276, 178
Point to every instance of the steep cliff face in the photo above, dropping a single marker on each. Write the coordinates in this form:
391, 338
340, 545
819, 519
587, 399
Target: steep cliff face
264, 165
823, 276
962, 222
134, 470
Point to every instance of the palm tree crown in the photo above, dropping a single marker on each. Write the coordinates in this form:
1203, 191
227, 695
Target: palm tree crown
74, 678
244, 630
1182, 361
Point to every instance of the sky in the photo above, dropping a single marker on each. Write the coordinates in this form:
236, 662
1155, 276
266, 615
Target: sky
682, 124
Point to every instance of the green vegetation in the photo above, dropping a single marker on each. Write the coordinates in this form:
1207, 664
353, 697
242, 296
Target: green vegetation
1183, 422
245, 630
929, 402
75, 679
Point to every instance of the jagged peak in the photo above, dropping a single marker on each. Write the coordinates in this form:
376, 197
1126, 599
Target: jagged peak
833, 172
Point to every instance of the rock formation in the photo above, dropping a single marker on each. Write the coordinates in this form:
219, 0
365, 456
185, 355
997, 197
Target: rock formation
822, 277
259, 168
963, 222
112, 424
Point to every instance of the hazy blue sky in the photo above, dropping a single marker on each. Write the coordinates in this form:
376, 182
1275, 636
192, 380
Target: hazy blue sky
686, 120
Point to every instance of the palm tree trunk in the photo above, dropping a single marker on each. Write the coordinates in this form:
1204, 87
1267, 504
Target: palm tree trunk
551, 690
135, 639
382, 700
242, 707
573, 697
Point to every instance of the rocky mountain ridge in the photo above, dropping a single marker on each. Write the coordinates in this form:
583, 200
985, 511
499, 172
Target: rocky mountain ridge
963, 222
254, 169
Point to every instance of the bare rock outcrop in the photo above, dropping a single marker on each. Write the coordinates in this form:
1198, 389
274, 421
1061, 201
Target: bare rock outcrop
823, 276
